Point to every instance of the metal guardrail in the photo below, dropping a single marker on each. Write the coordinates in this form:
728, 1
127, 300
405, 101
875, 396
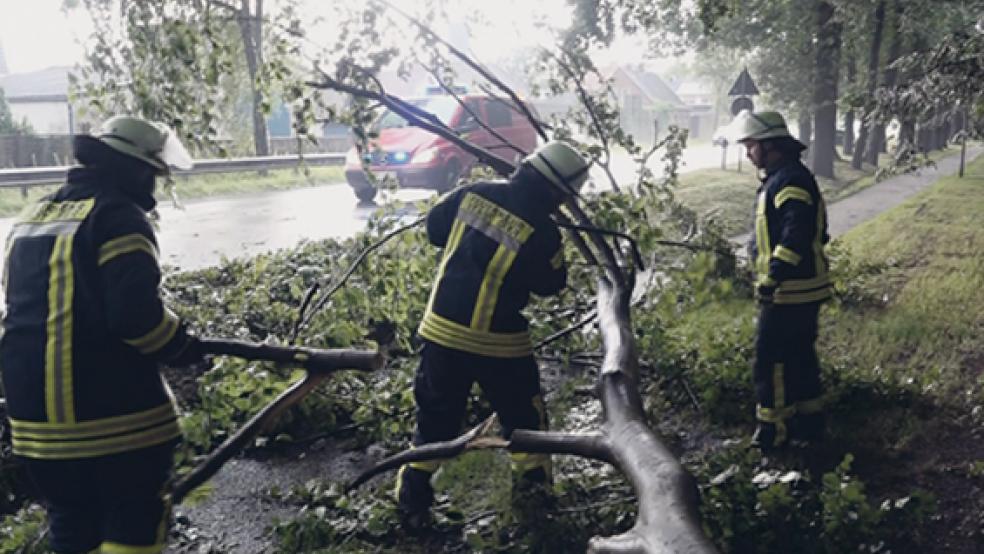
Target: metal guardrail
33, 176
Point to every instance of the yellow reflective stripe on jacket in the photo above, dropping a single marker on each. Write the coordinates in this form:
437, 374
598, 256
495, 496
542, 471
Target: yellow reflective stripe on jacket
92, 428
88, 448
454, 335
488, 292
786, 254
494, 221
48, 229
811, 406
457, 229
557, 261
119, 548
50, 210
772, 415
792, 193
761, 237
159, 336
59, 399
802, 297
797, 285
134, 242
510, 232
60, 220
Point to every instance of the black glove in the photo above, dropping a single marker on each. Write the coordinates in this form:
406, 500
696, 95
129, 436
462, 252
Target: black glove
191, 354
764, 291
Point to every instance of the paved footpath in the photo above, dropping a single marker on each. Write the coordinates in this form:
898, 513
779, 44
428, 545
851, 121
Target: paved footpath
845, 214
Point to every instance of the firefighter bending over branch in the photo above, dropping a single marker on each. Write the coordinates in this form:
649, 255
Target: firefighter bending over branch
92, 420
788, 253
500, 245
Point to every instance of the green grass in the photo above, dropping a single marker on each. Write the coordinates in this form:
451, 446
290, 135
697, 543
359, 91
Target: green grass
923, 286
728, 196
200, 186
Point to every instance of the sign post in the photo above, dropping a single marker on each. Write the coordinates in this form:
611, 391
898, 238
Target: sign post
743, 88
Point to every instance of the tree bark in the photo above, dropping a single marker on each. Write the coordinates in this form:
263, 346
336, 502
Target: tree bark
805, 123
873, 57
889, 78
852, 77
825, 90
251, 29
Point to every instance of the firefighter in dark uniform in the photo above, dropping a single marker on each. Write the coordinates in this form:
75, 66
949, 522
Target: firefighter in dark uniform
500, 245
792, 282
84, 331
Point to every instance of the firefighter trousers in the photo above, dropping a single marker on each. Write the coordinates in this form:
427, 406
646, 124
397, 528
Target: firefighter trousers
441, 386
786, 369
110, 503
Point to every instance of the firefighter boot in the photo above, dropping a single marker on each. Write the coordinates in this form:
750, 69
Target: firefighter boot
414, 496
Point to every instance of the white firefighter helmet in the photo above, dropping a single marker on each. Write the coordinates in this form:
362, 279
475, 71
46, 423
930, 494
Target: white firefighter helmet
749, 125
561, 164
149, 141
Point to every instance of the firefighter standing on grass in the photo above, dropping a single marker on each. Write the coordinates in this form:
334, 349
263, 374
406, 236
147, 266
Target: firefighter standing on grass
500, 245
792, 282
91, 418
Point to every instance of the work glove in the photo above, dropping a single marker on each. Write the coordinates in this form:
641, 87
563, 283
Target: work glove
192, 355
765, 290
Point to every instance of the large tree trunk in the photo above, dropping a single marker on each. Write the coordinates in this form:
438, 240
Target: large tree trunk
825, 90
873, 57
908, 134
805, 123
889, 78
251, 29
852, 77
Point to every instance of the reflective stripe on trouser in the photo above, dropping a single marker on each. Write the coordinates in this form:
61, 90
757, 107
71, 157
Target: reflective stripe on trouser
523, 462
786, 369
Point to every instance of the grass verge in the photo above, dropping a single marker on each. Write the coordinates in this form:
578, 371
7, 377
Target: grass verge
728, 197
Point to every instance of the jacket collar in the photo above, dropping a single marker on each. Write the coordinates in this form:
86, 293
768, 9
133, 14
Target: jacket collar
141, 194
778, 166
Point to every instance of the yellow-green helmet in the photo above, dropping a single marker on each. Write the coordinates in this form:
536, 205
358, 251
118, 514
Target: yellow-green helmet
758, 125
148, 141
561, 164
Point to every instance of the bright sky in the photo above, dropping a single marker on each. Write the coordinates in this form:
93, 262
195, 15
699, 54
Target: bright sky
36, 34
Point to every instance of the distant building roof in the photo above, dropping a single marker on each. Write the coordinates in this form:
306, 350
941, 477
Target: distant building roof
692, 87
50, 82
650, 84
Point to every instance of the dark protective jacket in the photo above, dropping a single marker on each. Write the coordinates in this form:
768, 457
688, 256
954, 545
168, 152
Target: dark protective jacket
790, 234
85, 327
499, 246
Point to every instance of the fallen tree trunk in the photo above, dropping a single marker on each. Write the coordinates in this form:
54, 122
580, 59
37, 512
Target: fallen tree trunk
319, 365
668, 521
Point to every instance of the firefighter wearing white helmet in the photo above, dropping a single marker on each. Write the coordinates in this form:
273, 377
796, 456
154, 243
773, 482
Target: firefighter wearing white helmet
792, 282
499, 246
560, 164
152, 142
85, 330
